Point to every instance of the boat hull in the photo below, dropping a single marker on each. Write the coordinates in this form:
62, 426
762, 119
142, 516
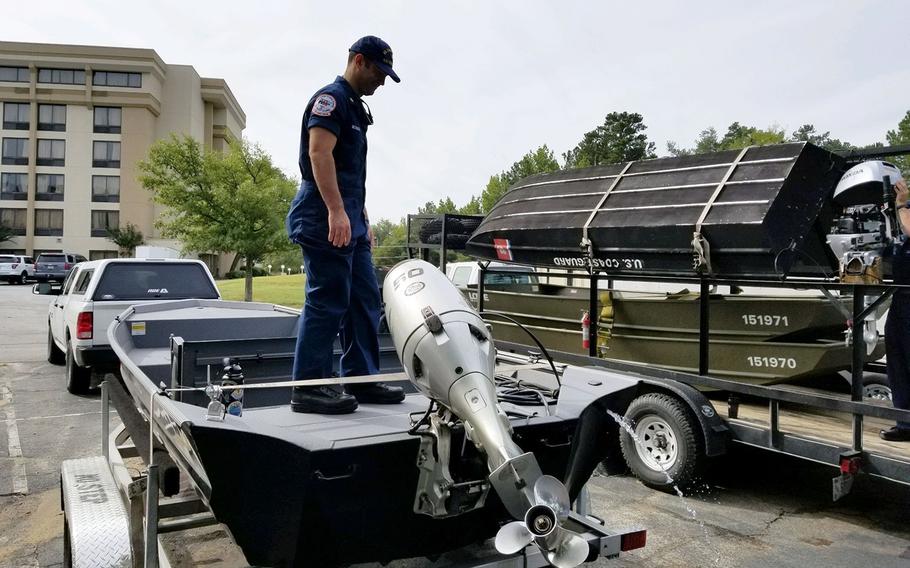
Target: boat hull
753, 210
316, 490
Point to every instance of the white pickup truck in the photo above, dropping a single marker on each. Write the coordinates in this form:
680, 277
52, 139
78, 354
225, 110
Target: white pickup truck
96, 292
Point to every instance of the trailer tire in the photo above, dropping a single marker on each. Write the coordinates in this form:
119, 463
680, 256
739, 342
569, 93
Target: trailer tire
876, 387
470, 225
78, 379
54, 355
433, 226
671, 451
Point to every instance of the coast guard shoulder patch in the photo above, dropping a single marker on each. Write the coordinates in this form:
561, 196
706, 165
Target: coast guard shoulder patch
324, 105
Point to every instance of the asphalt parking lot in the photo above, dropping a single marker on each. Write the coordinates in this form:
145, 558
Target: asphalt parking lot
753, 509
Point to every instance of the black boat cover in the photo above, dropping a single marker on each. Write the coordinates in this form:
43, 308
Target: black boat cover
758, 212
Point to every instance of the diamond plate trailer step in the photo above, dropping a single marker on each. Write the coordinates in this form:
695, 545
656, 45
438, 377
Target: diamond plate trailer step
96, 523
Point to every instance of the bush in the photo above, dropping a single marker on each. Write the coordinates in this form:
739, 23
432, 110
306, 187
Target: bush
241, 272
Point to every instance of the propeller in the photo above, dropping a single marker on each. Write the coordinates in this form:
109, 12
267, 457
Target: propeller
543, 526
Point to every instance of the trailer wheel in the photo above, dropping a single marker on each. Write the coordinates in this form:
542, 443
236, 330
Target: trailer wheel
876, 387
669, 449
67, 544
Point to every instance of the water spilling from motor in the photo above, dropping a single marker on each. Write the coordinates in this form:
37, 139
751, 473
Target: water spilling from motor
625, 425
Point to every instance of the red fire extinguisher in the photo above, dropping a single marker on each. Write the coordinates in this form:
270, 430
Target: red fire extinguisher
586, 331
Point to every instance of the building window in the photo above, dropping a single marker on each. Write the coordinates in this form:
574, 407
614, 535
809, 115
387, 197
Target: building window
15, 152
51, 152
117, 79
14, 186
102, 221
52, 117
102, 254
14, 74
15, 116
49, 222
106, 155
107, 120
14, 219
50, 187
61, 76
106, 188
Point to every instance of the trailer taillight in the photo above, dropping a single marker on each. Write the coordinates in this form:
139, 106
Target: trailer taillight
84, 325
633, 540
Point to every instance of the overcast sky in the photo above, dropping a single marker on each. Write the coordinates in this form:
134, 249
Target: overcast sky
484, 82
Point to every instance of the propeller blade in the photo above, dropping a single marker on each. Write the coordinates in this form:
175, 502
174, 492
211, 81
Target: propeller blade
513, 537
571, 551
551, 492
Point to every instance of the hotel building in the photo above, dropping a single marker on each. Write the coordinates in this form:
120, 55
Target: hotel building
76, 122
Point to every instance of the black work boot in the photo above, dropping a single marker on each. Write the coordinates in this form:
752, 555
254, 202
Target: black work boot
322, 400
376, 393
895, 434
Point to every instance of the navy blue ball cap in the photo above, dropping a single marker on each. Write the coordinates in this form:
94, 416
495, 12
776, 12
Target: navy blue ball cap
378, 52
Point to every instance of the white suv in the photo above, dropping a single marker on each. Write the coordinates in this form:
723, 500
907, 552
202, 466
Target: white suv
16, 268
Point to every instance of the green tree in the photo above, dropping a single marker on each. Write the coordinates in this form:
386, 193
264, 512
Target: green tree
231, 202
807, 133
6, 233
536, 161
901, 136
472, 207
739, 136
391, 239
127, 238
621, 138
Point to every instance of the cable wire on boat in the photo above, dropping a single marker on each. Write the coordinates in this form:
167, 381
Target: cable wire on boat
533, 337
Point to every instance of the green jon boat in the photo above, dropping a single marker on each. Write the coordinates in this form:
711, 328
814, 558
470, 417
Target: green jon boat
754, 338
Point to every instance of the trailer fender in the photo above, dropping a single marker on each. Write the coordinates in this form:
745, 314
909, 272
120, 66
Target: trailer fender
715, 430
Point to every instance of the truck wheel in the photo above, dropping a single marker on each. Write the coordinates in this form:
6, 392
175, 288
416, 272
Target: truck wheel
876, 387
78, 379
54, 355
668, 451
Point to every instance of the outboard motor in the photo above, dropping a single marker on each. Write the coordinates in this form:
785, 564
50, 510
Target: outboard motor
868, 224
865, 231
448, 353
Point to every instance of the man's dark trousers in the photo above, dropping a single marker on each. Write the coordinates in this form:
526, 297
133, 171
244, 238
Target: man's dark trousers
342, 295
897, 347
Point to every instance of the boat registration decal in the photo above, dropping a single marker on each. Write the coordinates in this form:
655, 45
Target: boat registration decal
766, 320
772, 362
137, 328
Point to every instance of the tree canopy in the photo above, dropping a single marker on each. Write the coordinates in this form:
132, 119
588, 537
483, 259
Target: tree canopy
234, 201
536, 161
620, 138
899, 137
127, 238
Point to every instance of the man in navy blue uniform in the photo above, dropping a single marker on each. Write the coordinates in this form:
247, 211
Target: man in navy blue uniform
328, 219
897, 326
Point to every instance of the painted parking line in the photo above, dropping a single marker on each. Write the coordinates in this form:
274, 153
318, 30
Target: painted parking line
20, 479
96, 412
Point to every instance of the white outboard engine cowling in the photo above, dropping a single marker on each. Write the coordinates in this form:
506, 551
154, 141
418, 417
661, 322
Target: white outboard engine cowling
448, 353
